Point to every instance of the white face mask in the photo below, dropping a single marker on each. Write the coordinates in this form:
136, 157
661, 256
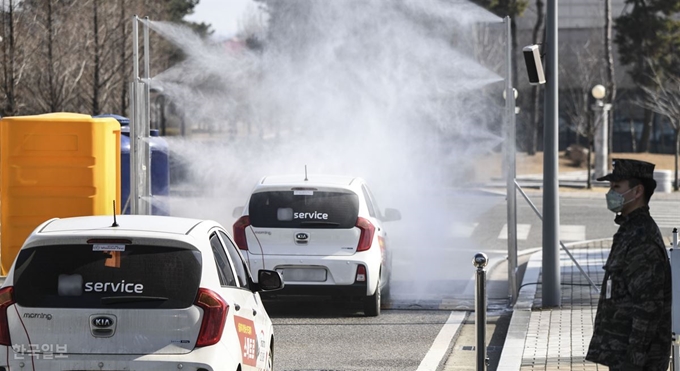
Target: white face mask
615, 200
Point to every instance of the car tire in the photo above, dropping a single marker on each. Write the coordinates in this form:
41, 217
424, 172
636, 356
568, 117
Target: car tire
372, 303
269, 363
387, 288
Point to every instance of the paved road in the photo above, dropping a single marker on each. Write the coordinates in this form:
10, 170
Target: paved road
325, 337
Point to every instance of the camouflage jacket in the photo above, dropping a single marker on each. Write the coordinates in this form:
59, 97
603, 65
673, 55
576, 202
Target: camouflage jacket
633, 323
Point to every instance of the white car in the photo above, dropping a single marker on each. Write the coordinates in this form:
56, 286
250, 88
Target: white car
134, 293
323, 233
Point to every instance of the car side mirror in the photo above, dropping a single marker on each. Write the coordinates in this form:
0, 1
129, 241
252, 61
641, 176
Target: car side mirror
269, 280
238, 211
391, 215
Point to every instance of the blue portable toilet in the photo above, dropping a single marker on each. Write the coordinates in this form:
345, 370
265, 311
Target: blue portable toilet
160, 174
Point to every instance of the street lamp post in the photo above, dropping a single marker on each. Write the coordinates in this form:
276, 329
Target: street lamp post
601, 140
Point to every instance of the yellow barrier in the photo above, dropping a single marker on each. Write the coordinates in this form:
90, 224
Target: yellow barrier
54, 165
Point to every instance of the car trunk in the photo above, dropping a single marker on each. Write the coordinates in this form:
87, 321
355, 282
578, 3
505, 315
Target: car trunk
106, 299
322, 242
86, 331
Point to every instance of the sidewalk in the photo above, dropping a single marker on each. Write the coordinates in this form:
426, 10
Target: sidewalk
556, 338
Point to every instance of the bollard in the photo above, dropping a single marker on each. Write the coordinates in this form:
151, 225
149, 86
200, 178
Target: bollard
480, 262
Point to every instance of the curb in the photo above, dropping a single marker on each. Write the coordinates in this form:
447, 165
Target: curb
515, 339
513, 346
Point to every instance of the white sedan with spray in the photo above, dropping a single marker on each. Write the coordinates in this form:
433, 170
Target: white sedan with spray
324, 233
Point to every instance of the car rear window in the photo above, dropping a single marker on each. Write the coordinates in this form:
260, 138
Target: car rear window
303, 209
80, 276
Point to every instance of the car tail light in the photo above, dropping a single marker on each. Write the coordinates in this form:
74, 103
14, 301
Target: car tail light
240, 232
6, 299
361, 274
215, 311
381, 242
367, 231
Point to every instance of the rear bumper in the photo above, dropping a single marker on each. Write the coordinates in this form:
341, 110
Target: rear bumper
340, 276
201, 358
358, 289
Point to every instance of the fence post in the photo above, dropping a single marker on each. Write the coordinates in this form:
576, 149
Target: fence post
480, 261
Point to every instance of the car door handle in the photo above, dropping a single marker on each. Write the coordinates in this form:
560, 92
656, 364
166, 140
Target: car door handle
237, 307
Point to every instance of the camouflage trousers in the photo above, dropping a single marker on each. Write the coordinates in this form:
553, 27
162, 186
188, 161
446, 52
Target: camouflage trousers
660, 364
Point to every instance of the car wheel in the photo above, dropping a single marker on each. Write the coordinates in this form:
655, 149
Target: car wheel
269, 365
372, 303
387, 288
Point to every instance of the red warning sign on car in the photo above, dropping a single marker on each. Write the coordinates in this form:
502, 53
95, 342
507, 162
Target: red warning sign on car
248, 339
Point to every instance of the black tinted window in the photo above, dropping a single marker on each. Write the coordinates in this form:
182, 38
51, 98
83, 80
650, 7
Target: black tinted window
223, 268
372, 205
303, 209
236, 258
77, 276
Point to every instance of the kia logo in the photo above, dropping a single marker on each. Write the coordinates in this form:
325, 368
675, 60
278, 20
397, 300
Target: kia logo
301, 236
102, 322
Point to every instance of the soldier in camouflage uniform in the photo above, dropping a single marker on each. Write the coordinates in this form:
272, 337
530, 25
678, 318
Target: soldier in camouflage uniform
632, 328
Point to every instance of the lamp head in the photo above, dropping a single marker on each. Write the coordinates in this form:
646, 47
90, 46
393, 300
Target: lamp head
480, 260
514, 93
598, 91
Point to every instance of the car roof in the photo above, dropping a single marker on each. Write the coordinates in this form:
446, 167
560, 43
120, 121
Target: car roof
311, 181
126, 223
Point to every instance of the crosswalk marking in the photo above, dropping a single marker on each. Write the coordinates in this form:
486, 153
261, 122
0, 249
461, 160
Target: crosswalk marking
572, 232
567, 232
522, 232
666, 215
463, 230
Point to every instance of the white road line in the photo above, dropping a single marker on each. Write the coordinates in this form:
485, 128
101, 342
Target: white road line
572, 232
665, 214
522, 232
463, 230
441, 343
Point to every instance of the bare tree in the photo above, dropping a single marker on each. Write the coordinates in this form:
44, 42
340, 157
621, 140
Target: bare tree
663, 97
104, 78
58, 67
14, 50
577, 99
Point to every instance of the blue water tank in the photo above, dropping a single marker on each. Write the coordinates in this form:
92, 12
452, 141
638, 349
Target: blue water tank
125, 169
160, 174
160, 169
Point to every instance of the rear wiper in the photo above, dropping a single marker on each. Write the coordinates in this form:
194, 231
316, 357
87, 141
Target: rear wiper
130, 299
331, 224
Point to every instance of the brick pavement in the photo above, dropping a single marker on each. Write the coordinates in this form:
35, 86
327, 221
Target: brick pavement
556, 338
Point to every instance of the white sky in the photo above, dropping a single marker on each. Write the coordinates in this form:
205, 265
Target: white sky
222, 15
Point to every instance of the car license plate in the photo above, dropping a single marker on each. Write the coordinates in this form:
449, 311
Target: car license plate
303, 274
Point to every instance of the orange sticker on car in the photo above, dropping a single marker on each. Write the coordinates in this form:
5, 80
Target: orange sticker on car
245, 329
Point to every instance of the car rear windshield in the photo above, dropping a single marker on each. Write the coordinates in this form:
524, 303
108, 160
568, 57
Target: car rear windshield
303, 209
89, 276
